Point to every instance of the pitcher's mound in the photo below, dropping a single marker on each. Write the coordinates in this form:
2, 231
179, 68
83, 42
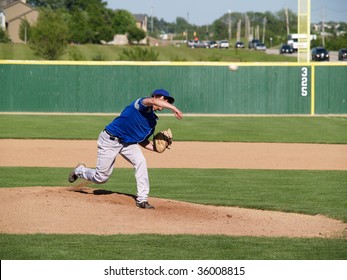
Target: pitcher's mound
84, 210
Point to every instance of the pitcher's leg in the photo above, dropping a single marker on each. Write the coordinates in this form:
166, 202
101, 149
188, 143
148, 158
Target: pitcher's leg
133, 154
107, 152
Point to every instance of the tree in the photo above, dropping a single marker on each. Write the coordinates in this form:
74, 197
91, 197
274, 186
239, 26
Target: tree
88, 21
136, 34
220, 29
123, 21
79, 28
100, 21
3, 36
53, 4
181, 25
49, 35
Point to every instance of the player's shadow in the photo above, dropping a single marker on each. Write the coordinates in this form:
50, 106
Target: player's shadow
104, 192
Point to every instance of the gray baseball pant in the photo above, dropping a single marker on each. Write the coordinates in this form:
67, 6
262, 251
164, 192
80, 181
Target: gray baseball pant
108, 150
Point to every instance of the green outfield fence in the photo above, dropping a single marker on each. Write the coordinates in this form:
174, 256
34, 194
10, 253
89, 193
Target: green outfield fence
209, 88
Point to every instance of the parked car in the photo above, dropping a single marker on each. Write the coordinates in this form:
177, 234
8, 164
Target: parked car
320, 54
223, 44
286, 49
239, 45
212, 44
197, 44
253, 43
260, 47
342, 54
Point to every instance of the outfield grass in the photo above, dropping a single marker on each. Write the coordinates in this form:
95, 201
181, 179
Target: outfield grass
172, 247
215, 129
91, 52
310, 192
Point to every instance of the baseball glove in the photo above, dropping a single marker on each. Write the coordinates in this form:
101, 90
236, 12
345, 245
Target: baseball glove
162, 140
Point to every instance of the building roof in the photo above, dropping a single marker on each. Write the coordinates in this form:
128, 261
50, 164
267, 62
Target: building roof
140, 17
31, 9
20, 16
15, 3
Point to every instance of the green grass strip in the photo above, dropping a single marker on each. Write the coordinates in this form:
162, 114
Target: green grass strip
172, 247
310, 192
214, 129
166, 53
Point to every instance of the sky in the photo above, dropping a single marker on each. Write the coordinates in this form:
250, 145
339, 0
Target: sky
205, 12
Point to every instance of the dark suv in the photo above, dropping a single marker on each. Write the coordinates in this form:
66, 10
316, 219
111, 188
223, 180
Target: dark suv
286, 49
320, 54
252, 44
342, 54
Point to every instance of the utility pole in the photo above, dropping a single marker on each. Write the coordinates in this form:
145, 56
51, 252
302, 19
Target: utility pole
152, 19
239, 30
187, 27
287, 21
323, 28
246, 28
25, 33
264, 27
229, 28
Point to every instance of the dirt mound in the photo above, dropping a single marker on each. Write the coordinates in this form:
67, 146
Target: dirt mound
84, 210
94, 211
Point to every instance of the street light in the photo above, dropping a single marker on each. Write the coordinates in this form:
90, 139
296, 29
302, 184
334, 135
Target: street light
152, 19
229, 29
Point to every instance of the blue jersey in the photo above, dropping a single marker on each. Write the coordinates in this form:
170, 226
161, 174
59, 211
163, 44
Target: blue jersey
135, 124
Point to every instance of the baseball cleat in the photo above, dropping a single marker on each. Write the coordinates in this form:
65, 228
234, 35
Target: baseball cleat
72, 176
144, 205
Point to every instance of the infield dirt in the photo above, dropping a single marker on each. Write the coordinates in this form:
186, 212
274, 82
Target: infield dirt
85, 209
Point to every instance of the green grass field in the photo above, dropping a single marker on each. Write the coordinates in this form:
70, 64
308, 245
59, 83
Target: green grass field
216, 129
91, 52
310, 192
173, 247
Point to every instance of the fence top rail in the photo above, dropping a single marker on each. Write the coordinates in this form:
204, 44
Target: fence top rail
166, 63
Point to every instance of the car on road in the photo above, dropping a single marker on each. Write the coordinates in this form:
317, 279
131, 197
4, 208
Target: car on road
286, 49
223, 44
342, 54
260, 47
239, 45
197, 44
320, 54
212, 44
253, 43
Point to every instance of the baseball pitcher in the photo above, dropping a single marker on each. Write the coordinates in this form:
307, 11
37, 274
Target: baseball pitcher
134, 126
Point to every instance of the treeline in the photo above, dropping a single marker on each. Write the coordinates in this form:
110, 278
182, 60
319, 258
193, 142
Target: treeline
62, 22
79, 21
90, 21
274, 25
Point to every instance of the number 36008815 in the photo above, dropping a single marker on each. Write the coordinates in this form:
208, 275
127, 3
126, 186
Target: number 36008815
221, 271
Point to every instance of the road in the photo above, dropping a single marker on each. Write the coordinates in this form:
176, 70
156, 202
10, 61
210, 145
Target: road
333, 55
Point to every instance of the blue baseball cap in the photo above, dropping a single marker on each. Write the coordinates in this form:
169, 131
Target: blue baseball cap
164, 93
